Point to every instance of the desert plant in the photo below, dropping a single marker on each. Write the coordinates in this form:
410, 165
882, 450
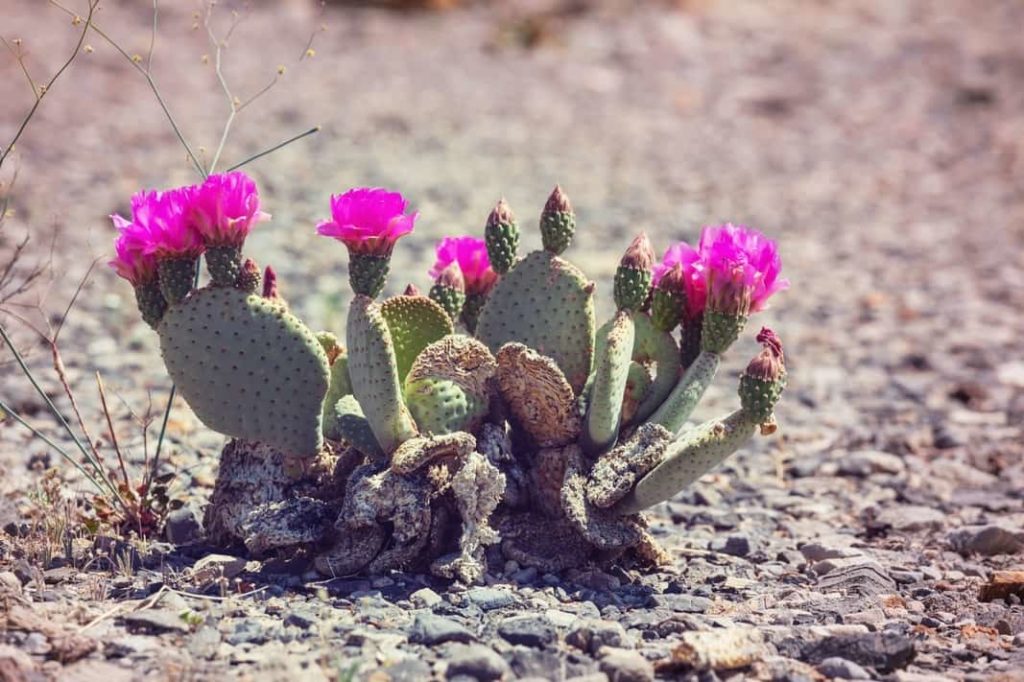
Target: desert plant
538, 430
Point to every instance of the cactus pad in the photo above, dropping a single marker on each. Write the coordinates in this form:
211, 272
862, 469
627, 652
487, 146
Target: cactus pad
613, 356
373, 372
657, 349
414, 322
448, 388
344, 420
247, 368
537, 394
547, 304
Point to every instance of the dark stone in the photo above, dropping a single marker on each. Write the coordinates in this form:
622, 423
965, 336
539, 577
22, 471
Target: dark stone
301, 619
530, 630
734, 545
476, 661
986, 540
489, 598
407, 670
182, 527
883, 651
430, 630
842, 669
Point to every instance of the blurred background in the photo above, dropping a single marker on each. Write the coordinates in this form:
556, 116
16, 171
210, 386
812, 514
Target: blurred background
882, 143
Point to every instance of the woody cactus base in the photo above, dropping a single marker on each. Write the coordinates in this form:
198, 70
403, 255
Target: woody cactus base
535, 432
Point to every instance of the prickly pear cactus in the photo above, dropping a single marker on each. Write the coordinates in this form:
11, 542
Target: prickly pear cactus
449, 386
547, 304
415, 322
247, 368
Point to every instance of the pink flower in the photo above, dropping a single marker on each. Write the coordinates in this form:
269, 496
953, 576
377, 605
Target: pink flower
743, 268
368, 220
134, 260
470, 254
226, 207
694, 277
165, 216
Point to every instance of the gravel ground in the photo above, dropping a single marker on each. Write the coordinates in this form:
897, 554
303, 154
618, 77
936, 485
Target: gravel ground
881, 142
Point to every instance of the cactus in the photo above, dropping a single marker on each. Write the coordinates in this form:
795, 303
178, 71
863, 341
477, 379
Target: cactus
415, 322
373, 371
247, 367
560, 435
547, 304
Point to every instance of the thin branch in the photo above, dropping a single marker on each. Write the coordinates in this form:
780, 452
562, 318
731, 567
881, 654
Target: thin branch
20, 57
152, 38
307, 51
266, 88
271, 150
42, 92
110, 428
218, 46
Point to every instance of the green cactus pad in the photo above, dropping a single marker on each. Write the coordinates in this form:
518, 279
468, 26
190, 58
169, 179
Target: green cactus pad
340, 387
449, 298
177, 277
415, 322
688, 458
680, 403
151, 302
638, 384
373, 373
448, 387
632, 285
247, 368
344, 420
655, 348
547, 304
666, 309
604, 409
224, 264
759, 396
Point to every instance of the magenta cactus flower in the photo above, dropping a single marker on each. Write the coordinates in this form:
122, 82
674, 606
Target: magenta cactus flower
134, 259
226, 207
694, 276
743, 268
471, 256
368, 220
166, 217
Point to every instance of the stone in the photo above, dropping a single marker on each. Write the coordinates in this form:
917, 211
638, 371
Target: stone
681, 603
182, 526
214, 566
476, 661
204, 643
591, 635
430, 629
426, 597
864, 463
842, 669
490, 598
910, 518
883, 651
985, 540
1003, 584
155, 621
734, 545
625, 665
529, 630
720, 649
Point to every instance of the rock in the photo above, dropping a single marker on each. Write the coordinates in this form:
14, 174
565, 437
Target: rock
56, 576
36, 644
818, 551
529, 630
411, 669
16, 665
182, 527
720, 649
130, 645
155, 621
1002, 585
592, 635
204, 643
303, 619
910, 518
426, 598
842, 669
734, 545
248, 631
863, 463
214, 566
476, 661
490, 598
625, 665
985, 540
883, 651
430, 630
681, 603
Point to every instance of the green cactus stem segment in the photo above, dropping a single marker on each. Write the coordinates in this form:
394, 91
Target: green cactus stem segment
557, 222
176, 275
415, 322
631, 287
373, 373
759, 397
688, 458
614, 350
449, 298
683, 399
656, 348
367, 273
501, 235
224, 264
471, 310
346, 421
340, 387
720, 330
666, 309
151, 302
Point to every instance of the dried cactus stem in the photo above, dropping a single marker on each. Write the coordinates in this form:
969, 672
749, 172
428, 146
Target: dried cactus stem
471, 310
449, 298
367, 273
604, 412
224, 264
681, 402
151, 302
688, 458
176, 276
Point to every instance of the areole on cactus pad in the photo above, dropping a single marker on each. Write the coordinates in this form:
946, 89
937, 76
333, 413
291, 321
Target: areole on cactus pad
496, 410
